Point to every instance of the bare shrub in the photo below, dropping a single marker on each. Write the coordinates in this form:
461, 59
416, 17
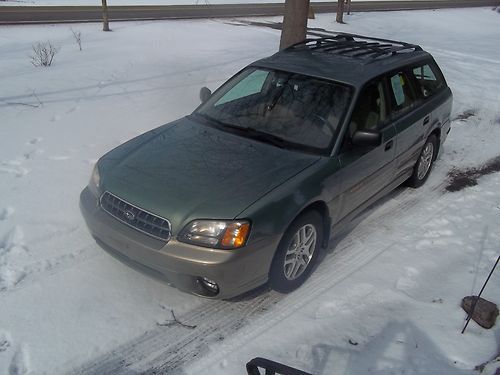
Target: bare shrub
78, 38
43, 53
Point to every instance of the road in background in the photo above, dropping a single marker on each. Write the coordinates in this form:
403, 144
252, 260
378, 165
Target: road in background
60, 14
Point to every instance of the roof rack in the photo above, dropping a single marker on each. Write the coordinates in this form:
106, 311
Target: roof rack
352, 45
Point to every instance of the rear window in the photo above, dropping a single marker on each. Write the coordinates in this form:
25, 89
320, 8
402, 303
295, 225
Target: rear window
429, 79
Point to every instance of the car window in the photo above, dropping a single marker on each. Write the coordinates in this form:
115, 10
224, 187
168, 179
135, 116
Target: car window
250, 85
370, 111
402, 97
428, 79
298, 109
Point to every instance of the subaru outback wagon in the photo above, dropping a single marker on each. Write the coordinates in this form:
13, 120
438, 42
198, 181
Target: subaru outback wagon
252, 185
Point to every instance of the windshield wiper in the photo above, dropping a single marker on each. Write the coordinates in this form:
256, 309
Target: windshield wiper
260, 136
252, 133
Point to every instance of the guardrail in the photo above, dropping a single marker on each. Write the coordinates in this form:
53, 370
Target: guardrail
66, 14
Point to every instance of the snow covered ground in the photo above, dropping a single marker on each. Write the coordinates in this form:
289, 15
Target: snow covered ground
392, 286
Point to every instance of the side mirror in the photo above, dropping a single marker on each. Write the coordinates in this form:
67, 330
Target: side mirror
205, 94
367, 138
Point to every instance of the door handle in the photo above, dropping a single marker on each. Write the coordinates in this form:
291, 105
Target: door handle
426, 120
388, 145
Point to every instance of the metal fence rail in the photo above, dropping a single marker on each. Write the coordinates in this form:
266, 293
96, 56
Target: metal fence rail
60, 14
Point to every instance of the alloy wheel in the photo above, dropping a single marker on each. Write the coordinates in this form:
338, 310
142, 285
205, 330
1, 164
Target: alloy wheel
300, 252
425, 161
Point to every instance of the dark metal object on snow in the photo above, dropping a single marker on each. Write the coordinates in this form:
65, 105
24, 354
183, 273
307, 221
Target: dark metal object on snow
271, 368
476, 302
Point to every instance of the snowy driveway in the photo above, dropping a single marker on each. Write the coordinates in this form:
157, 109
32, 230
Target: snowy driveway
392, 285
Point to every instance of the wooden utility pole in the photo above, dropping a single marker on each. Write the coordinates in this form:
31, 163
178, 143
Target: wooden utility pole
105, 19
340, 11
294, 22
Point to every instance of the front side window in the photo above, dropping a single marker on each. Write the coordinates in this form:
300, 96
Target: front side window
370, 112
428, 79
297, 109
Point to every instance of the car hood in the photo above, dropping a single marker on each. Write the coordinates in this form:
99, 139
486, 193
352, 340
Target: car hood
186, 170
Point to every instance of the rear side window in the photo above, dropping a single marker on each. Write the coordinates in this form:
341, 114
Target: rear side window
401, 93
428, 79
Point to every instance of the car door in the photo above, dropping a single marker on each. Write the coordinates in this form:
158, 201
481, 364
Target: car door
410, 118
365, 170
436, 97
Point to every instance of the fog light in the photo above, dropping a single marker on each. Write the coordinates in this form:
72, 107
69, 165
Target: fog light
210, 285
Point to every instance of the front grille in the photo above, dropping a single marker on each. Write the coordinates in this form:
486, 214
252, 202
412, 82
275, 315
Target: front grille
136, 217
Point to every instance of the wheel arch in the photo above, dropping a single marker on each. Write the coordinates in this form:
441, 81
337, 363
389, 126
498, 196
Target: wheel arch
320, 207
437, 133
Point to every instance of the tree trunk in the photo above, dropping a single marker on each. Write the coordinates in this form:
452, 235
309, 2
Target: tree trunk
294, 22
311, 15
340, 11
105, 19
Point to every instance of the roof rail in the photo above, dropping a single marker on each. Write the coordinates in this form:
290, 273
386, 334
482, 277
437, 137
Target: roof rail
352, 45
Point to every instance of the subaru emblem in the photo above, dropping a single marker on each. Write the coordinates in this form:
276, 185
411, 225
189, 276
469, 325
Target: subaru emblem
129, 215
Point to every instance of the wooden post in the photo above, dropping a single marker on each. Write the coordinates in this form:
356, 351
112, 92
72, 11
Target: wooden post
105, 19
294, 22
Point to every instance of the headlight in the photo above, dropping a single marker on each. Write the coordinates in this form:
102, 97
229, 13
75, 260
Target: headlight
216, 233
95, 181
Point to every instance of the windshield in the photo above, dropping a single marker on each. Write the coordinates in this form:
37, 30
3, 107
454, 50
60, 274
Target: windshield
293, 108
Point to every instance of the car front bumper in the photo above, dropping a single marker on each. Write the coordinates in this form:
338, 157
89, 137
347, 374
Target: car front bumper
183, 265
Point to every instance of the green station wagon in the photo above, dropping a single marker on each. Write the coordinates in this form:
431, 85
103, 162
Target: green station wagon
252, 185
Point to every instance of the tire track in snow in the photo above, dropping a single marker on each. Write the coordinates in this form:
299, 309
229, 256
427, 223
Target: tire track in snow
39, 270
36, 270
172, 346
167, 349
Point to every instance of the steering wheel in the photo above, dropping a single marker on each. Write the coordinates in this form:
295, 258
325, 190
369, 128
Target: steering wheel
324, 121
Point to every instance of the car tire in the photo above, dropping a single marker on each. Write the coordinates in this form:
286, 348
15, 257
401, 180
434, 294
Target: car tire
296, 256
424, 163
